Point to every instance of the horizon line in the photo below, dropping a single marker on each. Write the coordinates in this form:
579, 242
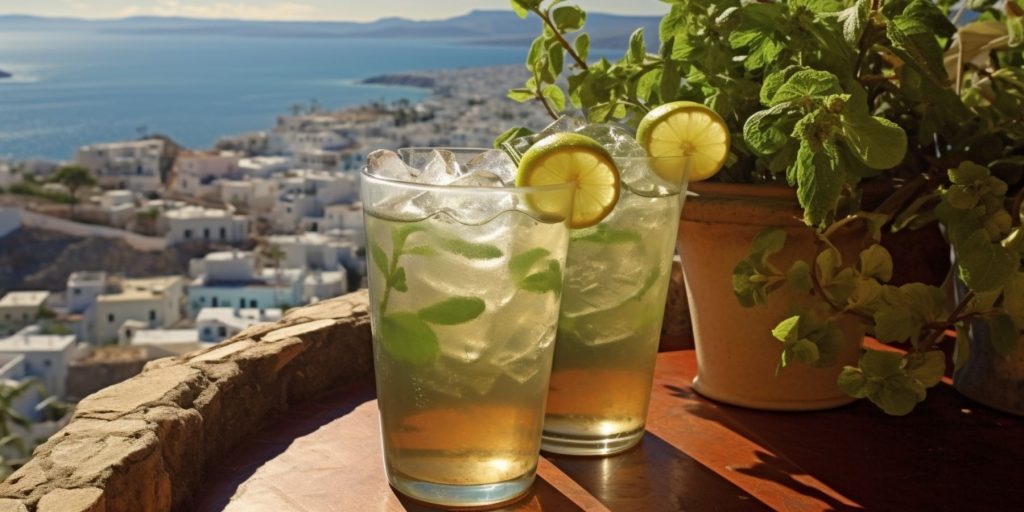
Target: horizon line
261, 20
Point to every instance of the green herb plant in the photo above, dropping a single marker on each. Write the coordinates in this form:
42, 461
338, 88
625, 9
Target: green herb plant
828, 96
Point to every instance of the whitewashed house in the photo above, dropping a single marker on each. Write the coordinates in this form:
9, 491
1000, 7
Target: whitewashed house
198, 223
214, 325
156, 301
263, 166
165, 342
133, 165
44, 357
196, 173
232, 279
19, 309
254, 195
324, 284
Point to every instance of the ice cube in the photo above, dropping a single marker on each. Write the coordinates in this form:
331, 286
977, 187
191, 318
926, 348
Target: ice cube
477, 179
387, 164
565, 123
617, 140
440, 168
494, 161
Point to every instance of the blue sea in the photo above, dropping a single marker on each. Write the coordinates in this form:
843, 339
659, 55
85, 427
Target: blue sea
72, 89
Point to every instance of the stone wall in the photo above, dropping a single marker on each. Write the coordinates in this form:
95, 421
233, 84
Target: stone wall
143, 444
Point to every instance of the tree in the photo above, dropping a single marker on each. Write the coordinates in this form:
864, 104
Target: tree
74, 177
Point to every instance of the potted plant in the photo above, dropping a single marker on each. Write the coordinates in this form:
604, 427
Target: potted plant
851, 119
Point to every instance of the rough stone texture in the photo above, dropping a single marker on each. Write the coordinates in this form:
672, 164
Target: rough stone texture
143, 444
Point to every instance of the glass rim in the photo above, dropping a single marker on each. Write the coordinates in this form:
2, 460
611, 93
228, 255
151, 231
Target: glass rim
431, 187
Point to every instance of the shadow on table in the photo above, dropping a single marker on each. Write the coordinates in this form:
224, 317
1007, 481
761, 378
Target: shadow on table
949, 454
655, 476
279, 432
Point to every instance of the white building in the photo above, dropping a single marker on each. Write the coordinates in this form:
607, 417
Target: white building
21, 308
263, 166
218, 324
232, 279
253, 195
304, 195
133, 165
198, 223
166, 342
45, 357
196, 173
156, 301
322, 285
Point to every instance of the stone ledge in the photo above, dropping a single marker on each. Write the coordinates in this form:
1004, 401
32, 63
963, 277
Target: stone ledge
144, 444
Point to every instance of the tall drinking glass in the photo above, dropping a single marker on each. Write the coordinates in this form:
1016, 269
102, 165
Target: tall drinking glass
617, 279
465, 286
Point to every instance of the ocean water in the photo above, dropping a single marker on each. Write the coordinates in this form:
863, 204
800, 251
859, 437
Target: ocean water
73, 89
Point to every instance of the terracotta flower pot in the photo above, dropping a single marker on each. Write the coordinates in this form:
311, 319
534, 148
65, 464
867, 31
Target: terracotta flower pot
737, 356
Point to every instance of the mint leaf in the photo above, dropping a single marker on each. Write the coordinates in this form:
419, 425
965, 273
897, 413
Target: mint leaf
805, 351
928, 368
637, 50
548, 280
962, 349
819, 181
876, 262
854, 19
421, 250
408, 339
984, 265
769, 241
521, 263
877, 142
852, 382
881, 364
767, 131
582, 45
1003, 334
453, 311
398, 280
469, 250
894, 325
774, 81
568, 18
788, 330
799, 276
747, 293
380, 259
555, 96
512, 133
804, 85
898, 396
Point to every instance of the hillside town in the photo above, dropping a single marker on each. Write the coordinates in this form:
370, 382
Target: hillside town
271, 220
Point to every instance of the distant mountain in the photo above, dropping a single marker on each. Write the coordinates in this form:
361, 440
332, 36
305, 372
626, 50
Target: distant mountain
477, 27
4, 74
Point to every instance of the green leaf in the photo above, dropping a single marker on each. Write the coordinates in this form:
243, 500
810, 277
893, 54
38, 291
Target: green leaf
893, 325
899, 397
788, 330
820, 181
637, 49
469, 250
537, 51
852, 382
453, 311
512, 133
805, 84
877, 142
519, 8
928, 368
521, 263
380, 258
774, 81
556, 58
766, 132
521, 95
876, 262
984, 265
554, 94
746, 292
421, 250
881, 364
805, 351
1003, 334
769, 241
408, 338
668, 88
548, 280
398, 280
568, 18
582, 45
799, 276
854, 20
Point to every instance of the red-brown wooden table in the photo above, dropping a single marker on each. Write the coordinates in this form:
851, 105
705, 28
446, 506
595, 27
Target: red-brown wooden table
949, 454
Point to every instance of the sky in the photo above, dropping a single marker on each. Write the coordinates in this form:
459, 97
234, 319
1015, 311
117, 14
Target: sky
354, 10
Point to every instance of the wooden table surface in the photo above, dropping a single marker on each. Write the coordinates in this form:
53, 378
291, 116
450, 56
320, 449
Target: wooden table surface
949, 454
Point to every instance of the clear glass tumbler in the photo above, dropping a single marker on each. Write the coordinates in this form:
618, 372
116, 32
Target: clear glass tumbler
465, 286
616, 282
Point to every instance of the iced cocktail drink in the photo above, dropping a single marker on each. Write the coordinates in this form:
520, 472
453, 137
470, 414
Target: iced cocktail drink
465, 282
616, 282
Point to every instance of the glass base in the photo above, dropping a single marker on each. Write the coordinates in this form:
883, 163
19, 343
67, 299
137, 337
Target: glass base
570, 444
464, 497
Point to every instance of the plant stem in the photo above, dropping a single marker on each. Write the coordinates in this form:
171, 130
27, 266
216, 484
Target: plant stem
953, 318
545, 15
544, 101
